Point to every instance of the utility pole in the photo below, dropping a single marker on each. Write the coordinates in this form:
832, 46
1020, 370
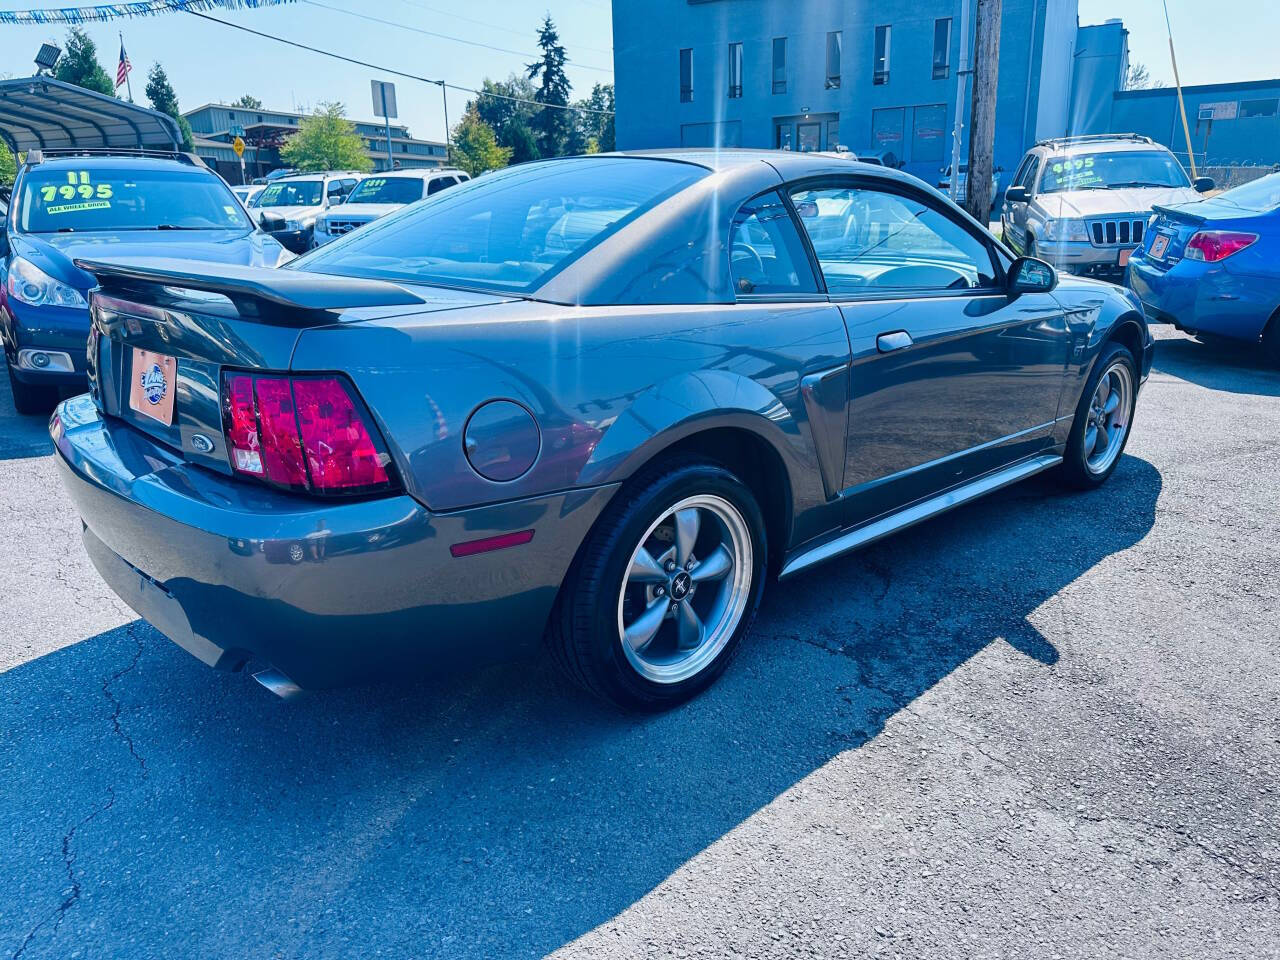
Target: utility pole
962, 94
982, 112
1182, 107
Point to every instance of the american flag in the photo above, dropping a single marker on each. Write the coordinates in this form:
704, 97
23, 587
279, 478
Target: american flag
122, 71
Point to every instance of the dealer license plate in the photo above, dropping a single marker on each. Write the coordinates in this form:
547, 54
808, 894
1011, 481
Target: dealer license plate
1159, 246
152, 385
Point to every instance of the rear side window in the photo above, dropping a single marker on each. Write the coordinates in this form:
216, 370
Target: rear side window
766, 254
509, 230
439, 183
869, 241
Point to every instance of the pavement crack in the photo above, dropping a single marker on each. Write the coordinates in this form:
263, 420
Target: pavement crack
117, 706
72, 895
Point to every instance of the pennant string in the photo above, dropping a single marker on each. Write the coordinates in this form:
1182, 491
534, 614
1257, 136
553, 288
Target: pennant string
120, 11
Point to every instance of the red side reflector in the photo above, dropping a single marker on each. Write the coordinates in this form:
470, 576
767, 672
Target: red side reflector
470, 548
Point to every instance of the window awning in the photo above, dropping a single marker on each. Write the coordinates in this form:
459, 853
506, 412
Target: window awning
40, 113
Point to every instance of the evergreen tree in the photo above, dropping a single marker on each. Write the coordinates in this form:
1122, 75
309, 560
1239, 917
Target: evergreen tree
326, 141
164, 100
248, 103
519, 139
475, 148
551, 126
79, 64
599, 125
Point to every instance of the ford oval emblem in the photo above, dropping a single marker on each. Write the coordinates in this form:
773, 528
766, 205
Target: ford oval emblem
201, 444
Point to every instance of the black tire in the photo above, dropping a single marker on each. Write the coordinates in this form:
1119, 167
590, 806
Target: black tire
30, 399
1075, 470
1031, 246
584, 634
1271, 341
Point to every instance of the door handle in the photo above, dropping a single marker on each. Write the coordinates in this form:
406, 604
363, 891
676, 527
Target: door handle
897, 340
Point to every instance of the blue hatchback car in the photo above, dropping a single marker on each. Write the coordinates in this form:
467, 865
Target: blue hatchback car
89, 205
1214, 267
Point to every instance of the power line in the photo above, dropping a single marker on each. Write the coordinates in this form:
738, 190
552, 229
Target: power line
393, 71
491, 26
443, 36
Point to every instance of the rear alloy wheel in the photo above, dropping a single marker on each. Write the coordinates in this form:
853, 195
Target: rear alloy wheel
31, 399
664, 589
1103, 418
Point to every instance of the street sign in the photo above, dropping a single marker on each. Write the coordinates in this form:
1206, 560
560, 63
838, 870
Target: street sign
238, 146
384, 99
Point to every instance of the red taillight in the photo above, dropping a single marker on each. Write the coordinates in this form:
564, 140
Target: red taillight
1214, 245
340, 452
303, 433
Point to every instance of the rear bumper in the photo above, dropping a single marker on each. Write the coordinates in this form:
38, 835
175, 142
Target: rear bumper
327, 593
1202, 297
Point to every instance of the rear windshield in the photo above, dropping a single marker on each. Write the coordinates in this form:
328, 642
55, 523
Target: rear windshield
387, 190
67, 200
1112, 171
509, 230
293, 193
1261, 195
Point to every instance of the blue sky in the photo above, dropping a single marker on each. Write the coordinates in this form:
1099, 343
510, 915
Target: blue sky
207, 62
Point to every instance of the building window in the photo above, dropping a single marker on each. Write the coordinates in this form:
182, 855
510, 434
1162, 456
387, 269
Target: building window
735, 71
941, 49
833, 59
779, 64
686, 75
833, 134
882, 55
1259, 108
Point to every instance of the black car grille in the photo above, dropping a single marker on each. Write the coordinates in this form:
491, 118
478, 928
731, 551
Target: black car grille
271, 222
1125, 232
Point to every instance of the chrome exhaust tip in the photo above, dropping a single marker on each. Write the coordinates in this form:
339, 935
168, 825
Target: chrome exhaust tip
278, 683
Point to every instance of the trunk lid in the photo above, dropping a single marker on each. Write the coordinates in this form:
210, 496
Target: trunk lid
192, 321
1166, 240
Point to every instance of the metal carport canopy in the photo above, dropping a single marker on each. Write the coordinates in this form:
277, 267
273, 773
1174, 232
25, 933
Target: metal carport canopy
40, 113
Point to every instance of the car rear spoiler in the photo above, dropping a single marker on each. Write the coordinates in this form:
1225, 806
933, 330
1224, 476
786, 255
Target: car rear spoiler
293, 298
1177, 213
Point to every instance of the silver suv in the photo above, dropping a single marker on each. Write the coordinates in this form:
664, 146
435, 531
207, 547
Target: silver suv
1082, 203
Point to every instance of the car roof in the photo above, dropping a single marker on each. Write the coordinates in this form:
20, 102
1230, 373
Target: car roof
1101, 145
98, 162
417, 173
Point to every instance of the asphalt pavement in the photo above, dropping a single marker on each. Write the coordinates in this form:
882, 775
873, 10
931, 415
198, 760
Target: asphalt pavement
1045, 725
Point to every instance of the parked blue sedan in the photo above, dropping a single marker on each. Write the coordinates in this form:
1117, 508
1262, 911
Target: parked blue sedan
125, 206
1214, 266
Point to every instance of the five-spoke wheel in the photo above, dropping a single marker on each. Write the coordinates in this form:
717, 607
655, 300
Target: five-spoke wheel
1108, 422
686, 588
665, 588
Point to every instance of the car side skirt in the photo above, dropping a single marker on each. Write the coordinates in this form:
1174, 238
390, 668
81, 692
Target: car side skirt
917, 512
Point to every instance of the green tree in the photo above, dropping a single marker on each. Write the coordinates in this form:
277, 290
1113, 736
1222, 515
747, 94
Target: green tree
79, 64
164, 100
507, 107
8, 166
327, 140
475, 147
551, 126
248, 103
598, 124
521, 143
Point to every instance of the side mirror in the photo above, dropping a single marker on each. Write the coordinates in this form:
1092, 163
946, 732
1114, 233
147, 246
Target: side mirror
807, 210
1029, 275
1016, 194
1203, 184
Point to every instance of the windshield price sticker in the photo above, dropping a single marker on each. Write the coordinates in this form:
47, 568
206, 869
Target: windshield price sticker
80, 193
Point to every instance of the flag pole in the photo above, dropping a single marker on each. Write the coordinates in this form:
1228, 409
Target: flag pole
128, 84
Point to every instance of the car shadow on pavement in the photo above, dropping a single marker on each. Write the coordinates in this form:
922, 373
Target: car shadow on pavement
1218, 364
21, 435
150, 802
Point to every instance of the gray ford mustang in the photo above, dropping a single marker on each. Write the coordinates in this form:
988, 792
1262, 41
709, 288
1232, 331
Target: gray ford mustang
596, 400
